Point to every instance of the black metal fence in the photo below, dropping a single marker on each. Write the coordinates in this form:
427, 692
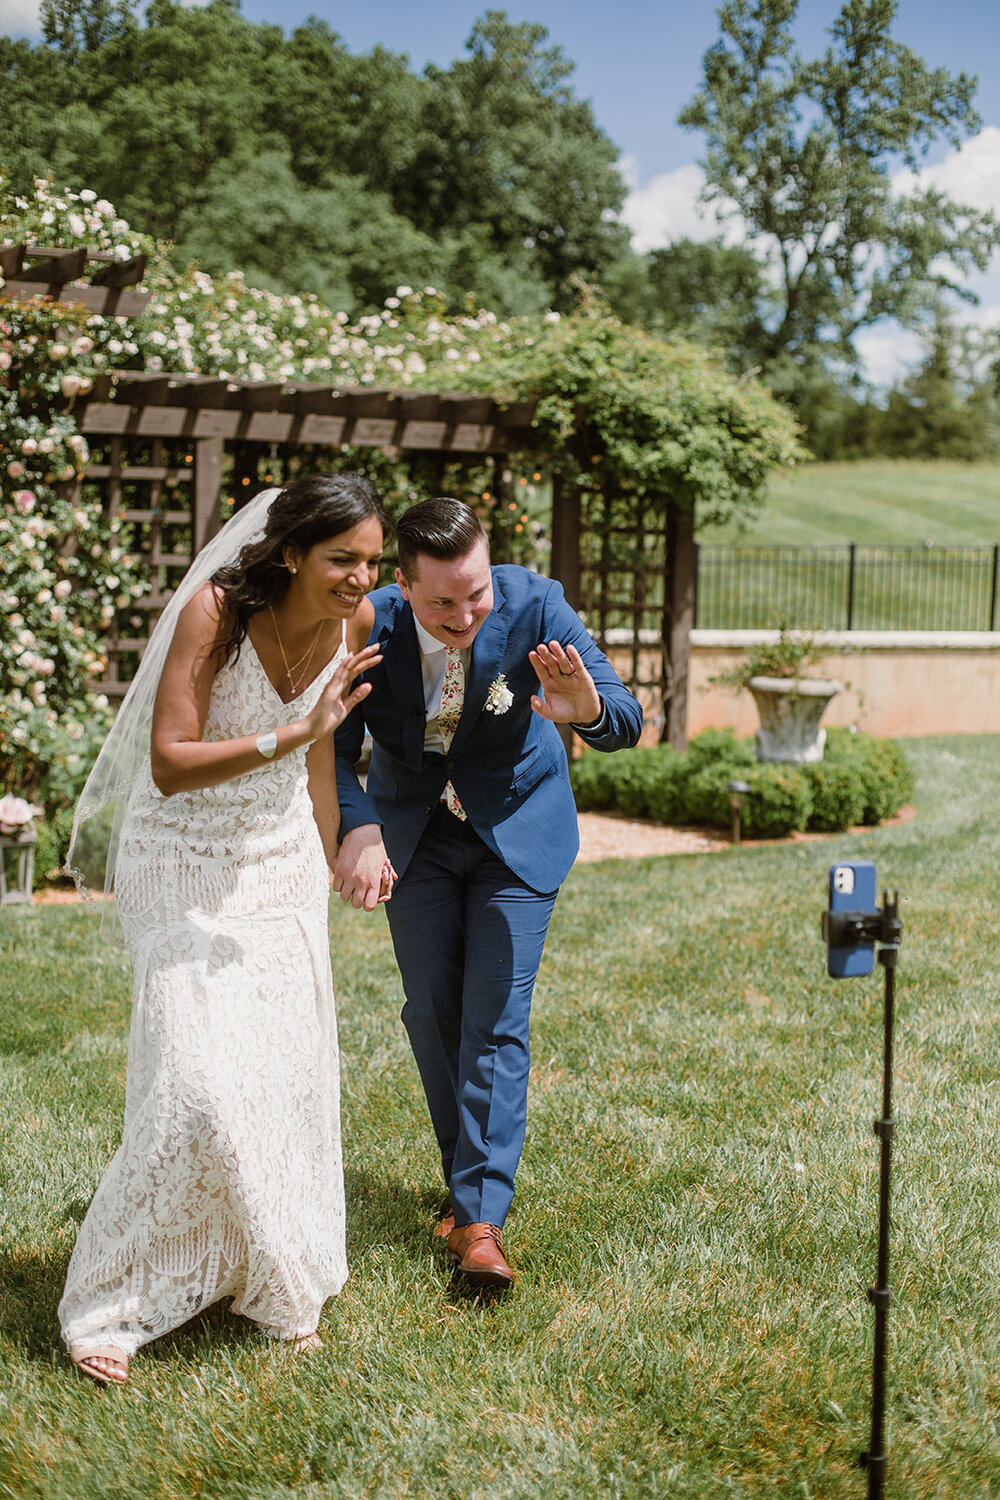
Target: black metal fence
926, 587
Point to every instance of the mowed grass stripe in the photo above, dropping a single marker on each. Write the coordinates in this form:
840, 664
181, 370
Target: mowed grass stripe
877, 502
695, 1222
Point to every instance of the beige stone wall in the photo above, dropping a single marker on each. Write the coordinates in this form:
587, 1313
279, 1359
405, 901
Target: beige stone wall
896, 683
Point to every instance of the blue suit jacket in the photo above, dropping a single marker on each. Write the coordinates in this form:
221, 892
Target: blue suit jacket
509, 769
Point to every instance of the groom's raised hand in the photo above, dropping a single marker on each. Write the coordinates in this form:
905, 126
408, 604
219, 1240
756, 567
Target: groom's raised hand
570, 696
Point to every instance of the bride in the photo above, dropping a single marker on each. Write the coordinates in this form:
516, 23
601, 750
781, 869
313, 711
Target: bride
220, 772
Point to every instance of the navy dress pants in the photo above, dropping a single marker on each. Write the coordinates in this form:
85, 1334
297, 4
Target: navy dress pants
468, 937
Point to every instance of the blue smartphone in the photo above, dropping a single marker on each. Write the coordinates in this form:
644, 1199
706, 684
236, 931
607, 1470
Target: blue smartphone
852, 888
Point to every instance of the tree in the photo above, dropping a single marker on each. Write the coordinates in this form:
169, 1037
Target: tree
704, 290
803, 151
934, 414
505, 146
77, 26
629, 422
489, 175
339, 240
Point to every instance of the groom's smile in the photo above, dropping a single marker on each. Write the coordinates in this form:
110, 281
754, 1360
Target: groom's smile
450, 597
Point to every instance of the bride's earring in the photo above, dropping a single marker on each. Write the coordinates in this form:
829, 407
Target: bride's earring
293, 570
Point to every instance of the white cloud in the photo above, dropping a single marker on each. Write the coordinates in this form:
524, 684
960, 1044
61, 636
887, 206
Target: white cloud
969, 174
19, 18
667, 209
886, 351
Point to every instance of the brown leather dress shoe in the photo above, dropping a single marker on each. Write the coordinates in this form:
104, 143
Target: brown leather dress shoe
447, 1224
478, 1251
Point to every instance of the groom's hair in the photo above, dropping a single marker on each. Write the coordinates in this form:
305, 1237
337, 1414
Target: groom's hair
441, 528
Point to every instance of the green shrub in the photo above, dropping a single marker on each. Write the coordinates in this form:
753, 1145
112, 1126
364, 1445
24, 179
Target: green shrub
838, 794
859, 780
779, 803
881, 767
592, 777
707, 793
53, 841
632, 784
717, 745
644, 783
888, 780
666, 778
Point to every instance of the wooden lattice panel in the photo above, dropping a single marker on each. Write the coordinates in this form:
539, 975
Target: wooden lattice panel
622, 585
149, 483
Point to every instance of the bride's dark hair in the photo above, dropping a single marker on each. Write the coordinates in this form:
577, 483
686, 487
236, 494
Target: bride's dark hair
310, 510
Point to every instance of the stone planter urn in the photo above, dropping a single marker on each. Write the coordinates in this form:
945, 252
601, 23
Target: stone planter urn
790, 709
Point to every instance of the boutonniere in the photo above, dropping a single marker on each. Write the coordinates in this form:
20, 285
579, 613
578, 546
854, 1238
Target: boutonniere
499, 698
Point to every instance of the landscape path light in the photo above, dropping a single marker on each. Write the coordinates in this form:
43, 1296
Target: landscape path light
738, 793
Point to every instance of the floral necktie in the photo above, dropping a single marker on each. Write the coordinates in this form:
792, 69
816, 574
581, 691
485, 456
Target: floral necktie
452, 699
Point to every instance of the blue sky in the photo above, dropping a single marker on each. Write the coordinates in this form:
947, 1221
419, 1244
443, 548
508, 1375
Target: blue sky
639, 61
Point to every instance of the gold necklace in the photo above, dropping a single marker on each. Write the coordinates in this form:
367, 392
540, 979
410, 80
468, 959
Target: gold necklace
303, 661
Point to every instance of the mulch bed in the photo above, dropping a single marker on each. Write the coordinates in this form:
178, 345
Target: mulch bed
602, 836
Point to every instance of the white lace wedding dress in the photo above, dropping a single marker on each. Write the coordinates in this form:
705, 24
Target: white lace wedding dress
228, 1181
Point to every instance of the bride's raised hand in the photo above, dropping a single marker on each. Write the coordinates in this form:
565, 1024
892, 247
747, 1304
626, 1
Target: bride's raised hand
338, 698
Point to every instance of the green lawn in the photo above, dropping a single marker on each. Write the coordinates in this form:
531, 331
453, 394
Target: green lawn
695, 1224
876, 502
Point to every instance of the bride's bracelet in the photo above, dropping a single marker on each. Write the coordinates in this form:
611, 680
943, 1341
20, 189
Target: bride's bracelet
267, 743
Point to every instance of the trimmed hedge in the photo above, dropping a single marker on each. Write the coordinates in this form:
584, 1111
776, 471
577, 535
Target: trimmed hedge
859, 780
53, 842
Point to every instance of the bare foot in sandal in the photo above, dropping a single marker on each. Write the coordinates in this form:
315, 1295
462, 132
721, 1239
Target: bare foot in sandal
305, 1342
107, 1365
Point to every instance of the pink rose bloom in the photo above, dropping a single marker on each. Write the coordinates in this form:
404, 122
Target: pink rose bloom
15, 469
24, 502
16, 814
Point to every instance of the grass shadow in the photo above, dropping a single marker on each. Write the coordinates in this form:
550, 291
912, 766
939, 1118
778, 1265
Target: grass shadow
382, 1210
31, 1285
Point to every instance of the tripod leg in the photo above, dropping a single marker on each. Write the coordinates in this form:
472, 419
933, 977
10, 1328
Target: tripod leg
874, 1459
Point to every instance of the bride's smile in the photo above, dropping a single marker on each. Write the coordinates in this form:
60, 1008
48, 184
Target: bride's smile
332, 578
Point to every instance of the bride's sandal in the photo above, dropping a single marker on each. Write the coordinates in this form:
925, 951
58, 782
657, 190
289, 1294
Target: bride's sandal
107, 1365
305, 1343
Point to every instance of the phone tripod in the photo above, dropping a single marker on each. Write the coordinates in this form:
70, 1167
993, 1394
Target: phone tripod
855, 929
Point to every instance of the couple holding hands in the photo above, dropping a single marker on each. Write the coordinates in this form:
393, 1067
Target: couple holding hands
229, 783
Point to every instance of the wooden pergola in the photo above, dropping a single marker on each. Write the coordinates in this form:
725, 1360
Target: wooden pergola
160, 444
31, 271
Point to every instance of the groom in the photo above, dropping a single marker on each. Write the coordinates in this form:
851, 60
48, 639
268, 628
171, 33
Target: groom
468, 796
